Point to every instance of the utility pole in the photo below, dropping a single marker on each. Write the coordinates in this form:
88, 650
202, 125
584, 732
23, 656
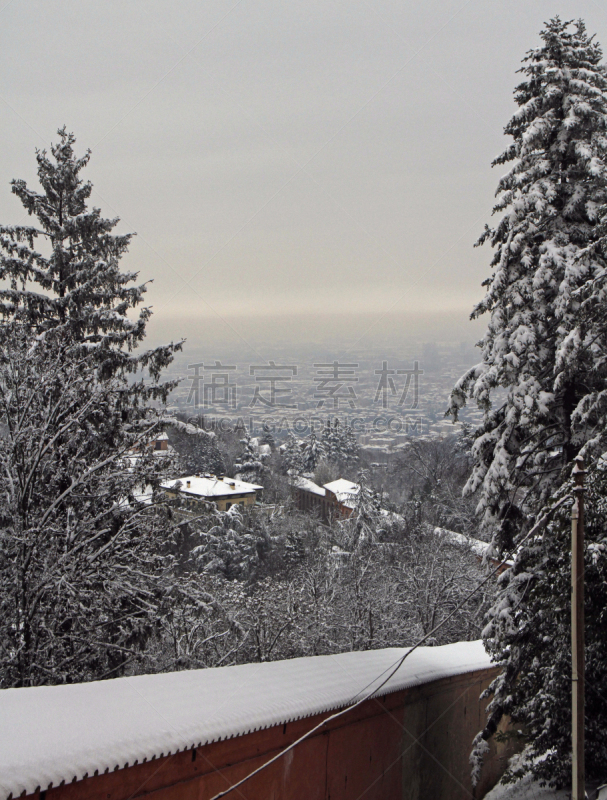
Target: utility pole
577, 632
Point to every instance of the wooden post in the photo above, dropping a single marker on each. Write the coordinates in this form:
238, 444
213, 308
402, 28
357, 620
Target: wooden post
577, 632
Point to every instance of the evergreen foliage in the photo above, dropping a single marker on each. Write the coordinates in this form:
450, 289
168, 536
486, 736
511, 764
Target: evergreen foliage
78, 287
366, 523
85, 561
339, 443
232, 545
197, 449
529, 631
545, 357
292, 456
336, 445
312, 452
546, 343
249, 466
267, 437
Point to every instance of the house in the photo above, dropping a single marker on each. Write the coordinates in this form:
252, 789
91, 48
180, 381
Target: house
225, 492
337, 498
343, 494
159, 446
311, 497
161, 443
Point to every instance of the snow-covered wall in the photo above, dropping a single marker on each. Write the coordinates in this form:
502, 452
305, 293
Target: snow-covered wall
64, 733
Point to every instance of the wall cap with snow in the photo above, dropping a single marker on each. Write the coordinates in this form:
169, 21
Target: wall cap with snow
54, 734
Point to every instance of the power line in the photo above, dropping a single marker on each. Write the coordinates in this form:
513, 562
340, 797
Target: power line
397, 665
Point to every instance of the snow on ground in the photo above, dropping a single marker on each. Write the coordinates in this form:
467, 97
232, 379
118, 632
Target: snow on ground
526, 789
53, 733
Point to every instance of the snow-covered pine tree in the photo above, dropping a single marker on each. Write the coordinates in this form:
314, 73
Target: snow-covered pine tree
339, 443
366, 521
249, 466
230, 545
197, 449
328, 439
77, 289
350, 448
292, 455
545, 359
267, 437
312, 453
545, 351
78, 286
84, 563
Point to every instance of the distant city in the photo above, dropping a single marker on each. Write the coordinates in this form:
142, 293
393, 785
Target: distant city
386, 394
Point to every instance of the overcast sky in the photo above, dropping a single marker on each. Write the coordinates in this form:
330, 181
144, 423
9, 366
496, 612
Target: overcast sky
279, 157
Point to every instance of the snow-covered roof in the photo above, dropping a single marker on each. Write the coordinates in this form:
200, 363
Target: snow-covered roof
187, 427
161, 437
344, 490
342, 486
476, 545
50, 734
309, 486
211, 486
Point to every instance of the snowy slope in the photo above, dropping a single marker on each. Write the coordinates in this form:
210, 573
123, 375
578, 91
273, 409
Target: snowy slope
53, 733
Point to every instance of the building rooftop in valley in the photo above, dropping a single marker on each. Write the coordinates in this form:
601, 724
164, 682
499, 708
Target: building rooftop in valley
344, 490
334, 497
309, 486
55, 734
210, 486
342, 486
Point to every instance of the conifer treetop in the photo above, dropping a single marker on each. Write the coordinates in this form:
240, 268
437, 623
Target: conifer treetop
546, 340
557, 184
73, 280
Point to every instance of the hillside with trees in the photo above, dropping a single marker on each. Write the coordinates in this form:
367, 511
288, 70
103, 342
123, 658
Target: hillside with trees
101, 574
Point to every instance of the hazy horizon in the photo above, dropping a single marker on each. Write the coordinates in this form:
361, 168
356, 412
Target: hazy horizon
251, 335
320, 166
